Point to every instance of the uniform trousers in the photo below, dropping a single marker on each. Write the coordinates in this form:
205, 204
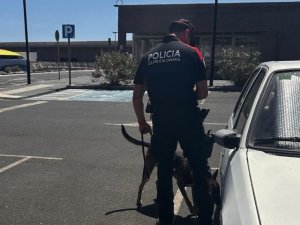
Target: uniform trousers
182, 126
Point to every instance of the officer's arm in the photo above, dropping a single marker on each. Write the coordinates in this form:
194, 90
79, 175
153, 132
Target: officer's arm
137, 100
201, 89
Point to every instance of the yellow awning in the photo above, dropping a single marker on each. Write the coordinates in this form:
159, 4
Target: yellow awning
9, 53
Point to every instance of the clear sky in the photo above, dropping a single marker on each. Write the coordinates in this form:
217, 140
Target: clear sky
94, 19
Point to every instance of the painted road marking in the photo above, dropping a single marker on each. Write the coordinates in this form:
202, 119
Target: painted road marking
126, 124
30, 156
104, 96
13, 75
25, 89
13, 164
9, 96
136, 124
21, 106
177, 201
88, 95
91, 95
23, 159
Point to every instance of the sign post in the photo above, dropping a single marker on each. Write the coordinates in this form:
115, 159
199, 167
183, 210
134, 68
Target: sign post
212, 55
69, 32
27, 45
58, 57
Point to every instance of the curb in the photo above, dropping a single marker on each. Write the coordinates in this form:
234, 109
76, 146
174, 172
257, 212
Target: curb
45, 93
100, 87
36, 94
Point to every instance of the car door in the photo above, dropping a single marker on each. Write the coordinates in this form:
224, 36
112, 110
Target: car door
240, 114
235, 180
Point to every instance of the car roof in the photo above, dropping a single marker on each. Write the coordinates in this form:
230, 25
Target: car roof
281, 65
8, 53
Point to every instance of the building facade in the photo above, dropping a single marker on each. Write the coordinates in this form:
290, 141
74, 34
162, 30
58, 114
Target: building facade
271, 28
81, 51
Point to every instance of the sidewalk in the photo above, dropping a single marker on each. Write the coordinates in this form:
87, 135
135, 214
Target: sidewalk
42, 87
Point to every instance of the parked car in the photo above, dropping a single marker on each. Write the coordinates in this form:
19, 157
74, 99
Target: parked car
260, 159
11, 59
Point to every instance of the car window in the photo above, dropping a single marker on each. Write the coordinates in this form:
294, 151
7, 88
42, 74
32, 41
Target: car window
11, 57
248, 102
277, 120
245, 91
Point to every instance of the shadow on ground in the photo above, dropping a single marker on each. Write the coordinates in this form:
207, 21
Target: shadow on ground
152, 211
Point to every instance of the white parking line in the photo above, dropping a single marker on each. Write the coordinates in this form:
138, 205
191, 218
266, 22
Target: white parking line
21, 106
30, 156
13, 75
136, 124
14, 164
23, 159
177, 201
76, 95
126, 124
9, 96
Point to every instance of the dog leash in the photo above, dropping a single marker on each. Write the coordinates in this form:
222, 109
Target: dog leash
145, 171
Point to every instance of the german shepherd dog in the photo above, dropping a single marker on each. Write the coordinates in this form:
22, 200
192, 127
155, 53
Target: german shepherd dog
182, 174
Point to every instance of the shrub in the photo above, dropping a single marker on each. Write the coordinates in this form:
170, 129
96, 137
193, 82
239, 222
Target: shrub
115, 67
237, 64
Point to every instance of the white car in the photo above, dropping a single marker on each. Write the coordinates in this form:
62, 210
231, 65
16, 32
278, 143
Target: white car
260, 159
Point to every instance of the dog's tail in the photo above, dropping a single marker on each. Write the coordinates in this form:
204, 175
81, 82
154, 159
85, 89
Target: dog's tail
131, 139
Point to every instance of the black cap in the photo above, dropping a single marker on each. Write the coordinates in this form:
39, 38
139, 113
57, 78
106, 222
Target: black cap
181, 25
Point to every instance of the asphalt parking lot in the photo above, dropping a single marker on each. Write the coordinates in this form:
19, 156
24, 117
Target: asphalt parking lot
65, 162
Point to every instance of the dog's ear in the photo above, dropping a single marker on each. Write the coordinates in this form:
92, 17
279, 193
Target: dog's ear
215, 174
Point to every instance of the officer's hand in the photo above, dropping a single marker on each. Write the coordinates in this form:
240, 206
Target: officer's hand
144, 127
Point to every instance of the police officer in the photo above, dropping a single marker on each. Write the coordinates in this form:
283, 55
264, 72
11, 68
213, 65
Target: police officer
173, 73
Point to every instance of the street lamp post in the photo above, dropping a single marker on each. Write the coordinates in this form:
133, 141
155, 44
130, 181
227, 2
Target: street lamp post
27, 45
212, 55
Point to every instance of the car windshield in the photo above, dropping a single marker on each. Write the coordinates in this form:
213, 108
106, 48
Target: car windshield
277, 123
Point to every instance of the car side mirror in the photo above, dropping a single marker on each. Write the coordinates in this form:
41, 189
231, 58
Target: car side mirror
227, 138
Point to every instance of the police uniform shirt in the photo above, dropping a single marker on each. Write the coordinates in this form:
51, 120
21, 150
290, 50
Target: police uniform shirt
170, 71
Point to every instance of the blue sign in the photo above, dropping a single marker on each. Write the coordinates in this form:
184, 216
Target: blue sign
68, 31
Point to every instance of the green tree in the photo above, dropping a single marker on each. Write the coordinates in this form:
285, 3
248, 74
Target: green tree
115, 67
237, 64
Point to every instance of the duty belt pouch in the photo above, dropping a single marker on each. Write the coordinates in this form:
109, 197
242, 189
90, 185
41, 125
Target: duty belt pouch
208, 144
207, 139
202, 114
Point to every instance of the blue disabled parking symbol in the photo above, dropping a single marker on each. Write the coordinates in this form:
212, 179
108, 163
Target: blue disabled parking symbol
104, 96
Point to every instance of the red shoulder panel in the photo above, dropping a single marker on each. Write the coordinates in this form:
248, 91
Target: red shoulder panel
198, 53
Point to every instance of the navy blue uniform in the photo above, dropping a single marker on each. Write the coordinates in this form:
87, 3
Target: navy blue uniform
170, 71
